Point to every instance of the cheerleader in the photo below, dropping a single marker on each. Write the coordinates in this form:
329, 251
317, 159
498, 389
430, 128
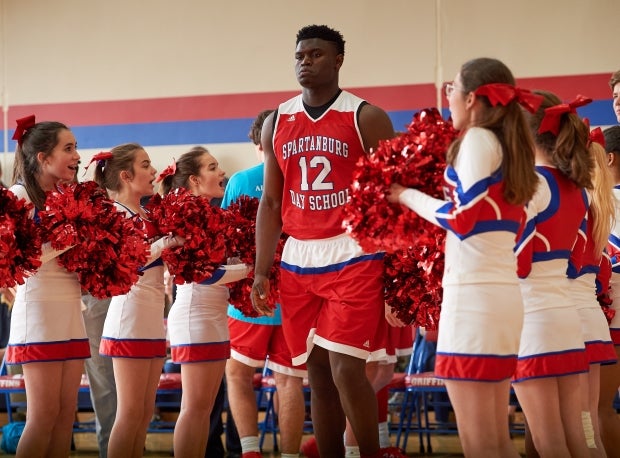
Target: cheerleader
610, 374
133, 332
591, 268
197, 322
490, 176
552, 352
47, 335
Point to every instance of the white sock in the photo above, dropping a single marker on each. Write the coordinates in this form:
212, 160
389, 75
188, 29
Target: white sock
384, 435
249, 444
352, 451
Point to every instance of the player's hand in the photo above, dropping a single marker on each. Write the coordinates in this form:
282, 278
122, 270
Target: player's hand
260, 294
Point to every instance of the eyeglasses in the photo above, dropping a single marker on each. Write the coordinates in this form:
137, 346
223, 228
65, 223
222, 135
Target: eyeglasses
448, 89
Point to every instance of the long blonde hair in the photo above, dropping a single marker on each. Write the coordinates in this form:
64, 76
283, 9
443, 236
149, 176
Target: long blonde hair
603, 203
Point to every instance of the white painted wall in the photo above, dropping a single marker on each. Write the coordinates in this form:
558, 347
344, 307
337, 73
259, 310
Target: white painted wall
86, 50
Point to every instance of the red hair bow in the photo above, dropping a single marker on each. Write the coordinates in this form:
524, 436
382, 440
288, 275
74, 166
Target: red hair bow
23, 124
597, 136
170, 170
102, 156
503, 94
553, 115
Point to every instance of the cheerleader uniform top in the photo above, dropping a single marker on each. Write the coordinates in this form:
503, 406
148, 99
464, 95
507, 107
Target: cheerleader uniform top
482, 227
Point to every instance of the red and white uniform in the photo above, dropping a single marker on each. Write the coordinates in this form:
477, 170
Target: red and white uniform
134, 325
331, 290
46, 319
482, 309
552, 343
614, 252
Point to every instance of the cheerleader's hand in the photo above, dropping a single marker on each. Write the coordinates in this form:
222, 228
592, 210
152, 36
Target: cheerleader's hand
175, 240
159, 245
394, 193
392, 319
604, 299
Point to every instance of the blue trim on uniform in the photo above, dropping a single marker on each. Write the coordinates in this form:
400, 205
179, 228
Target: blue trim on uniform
215, 277
331, 268
484, 226
550, 255
589, 269
477, 189
156, 263
554, 204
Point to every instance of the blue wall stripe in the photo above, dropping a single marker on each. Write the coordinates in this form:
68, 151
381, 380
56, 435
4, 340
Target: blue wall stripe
235, 130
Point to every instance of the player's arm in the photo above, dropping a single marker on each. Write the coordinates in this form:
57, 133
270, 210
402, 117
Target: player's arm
268, 220
374, 125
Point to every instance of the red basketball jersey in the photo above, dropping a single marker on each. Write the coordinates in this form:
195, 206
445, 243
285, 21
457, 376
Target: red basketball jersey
317, 158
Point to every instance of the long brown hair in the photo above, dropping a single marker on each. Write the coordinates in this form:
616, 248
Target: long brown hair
188, 164
507, 123
108, 172
40, 138
568, 150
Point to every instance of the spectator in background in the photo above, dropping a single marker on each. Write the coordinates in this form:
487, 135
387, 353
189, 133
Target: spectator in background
99, 370
253, 339
614, 83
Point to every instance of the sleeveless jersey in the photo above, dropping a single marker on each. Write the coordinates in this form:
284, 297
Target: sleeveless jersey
317, 158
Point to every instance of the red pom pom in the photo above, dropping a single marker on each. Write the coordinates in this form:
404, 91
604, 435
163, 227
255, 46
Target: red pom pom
242, 216
242, 245
204, 227
415, 159
605, 301
413, 280
109, 248
414, 263
20, 241
240, 294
